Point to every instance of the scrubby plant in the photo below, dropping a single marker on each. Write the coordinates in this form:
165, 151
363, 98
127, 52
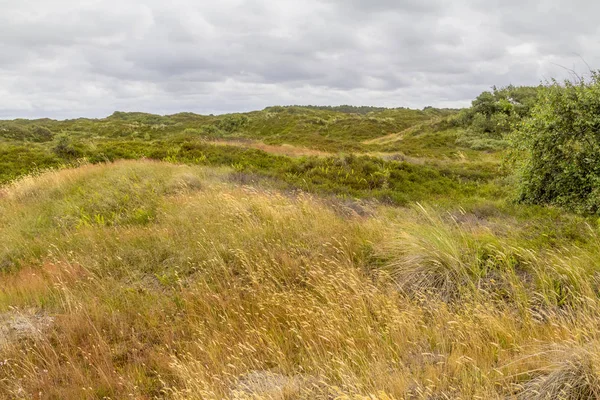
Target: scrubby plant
493, 115
64, 147
557, 149
41, 133
232, 123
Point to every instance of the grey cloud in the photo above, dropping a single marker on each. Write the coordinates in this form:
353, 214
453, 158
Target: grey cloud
70, 58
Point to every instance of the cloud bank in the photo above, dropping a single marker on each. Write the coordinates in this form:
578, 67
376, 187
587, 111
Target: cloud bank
66, 59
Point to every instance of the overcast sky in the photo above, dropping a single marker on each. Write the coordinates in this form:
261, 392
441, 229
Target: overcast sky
71, 58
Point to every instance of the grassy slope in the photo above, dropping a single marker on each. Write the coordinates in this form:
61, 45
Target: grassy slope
177, 279
128, 134
174, 281
422, 164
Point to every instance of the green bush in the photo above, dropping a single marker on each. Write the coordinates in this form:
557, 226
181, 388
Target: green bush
232, 123
557, 149
18, 132
64, 147
41, 134
18, 160
493, 115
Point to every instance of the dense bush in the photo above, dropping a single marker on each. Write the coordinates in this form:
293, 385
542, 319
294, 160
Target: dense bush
18, 160
557, 149
232, 123
64, 147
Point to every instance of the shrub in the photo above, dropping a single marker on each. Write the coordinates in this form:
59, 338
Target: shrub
232, 123
64, 147
556, 150
493, 115
41, 134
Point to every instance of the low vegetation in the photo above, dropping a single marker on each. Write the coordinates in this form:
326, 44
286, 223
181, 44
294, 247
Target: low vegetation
175, 281
305, 253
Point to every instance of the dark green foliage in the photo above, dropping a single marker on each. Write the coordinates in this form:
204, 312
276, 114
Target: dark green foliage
493, 115
232, 123
41, 134
18, 132
10, 130
557, 149
17, 160
64, 147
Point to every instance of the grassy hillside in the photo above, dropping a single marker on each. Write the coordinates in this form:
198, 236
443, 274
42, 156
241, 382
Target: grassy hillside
393, 155
290, 253
147, 279
48, 143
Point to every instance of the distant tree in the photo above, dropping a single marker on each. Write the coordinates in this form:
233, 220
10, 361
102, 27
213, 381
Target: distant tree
493, 114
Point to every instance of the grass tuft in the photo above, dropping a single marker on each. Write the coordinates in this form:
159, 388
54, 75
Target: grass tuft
572, 374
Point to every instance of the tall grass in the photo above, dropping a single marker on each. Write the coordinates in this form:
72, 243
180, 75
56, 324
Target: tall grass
167, 281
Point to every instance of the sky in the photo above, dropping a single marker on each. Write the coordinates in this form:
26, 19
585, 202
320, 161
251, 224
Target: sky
88, 58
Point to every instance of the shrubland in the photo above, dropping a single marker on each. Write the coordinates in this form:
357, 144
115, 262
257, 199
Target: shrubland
348, 163
305, 253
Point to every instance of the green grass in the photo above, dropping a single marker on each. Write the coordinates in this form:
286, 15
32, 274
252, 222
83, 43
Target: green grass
347, 176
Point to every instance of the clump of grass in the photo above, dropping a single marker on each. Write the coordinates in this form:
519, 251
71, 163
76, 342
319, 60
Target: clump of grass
440, 258
447, 259
573, 373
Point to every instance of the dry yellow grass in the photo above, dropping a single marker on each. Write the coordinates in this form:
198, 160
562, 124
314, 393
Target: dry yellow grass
168, 281
282, 150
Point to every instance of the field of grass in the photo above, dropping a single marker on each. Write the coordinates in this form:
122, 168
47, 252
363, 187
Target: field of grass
310, 131
291, 253
393, 155
177, 281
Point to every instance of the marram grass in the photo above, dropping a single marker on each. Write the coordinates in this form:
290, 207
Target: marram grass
168, 281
